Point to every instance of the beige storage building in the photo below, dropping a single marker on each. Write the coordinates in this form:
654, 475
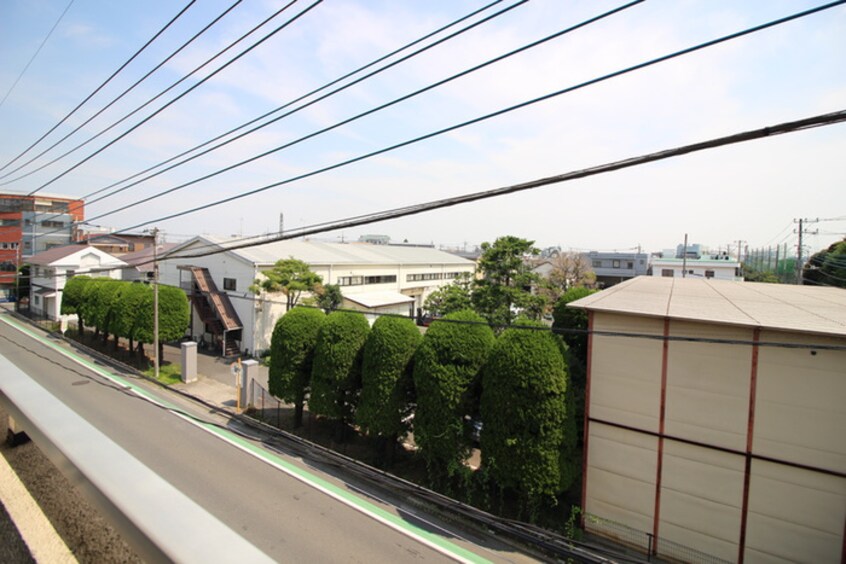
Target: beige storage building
715, 419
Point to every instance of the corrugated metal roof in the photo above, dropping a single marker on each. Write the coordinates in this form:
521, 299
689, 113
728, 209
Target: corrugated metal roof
379, 299
807, 309
318, 252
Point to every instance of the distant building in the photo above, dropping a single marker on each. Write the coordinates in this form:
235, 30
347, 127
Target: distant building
614, 267
374, 279
375, 239
51, 269
715, 418
697, 262
30, 225
117, 244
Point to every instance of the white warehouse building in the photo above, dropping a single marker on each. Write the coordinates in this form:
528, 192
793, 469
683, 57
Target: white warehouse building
374, 279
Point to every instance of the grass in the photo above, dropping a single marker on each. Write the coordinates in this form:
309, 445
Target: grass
168, 374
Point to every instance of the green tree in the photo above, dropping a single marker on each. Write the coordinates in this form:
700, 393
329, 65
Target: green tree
329, 297
505, 289
109, 300
451, 298
523, 409
386, 385
72, 296
336, 372
292, 355
290, 276
91, 305
827, 267
446, 376
572, 323
127, 316
174, 316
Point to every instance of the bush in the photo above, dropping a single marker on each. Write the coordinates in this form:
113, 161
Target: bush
523, 410
386, 376
336, 372
446, 373
572, 318
292, 354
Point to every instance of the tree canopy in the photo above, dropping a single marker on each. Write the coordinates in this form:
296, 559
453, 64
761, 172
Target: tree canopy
451, 298
827, 267
524, 413
290, 276
446, 376
505, 289
292, 356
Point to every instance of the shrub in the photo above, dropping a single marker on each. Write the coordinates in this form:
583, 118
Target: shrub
523, 410
446, 372
336, 372
292, 354
386, 376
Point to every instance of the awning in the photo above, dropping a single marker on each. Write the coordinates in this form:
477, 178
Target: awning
379, 299
45, 292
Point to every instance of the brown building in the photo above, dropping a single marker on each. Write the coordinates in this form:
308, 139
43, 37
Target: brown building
30, 225
715, 417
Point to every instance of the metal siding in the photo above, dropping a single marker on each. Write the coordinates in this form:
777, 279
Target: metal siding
701, 497
801, 413
794, 514
621, 466
626, 383
708, 386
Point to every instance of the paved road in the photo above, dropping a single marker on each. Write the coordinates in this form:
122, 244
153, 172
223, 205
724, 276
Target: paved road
287, 518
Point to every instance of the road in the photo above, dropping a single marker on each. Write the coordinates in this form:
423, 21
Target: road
287, 507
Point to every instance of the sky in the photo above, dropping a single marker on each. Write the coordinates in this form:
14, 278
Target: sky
748, 192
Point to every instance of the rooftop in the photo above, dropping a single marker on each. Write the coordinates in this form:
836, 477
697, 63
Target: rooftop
806, 309
320, 253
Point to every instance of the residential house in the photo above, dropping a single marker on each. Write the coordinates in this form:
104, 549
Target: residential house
374, 279
614, 267
715, 418
51, 269
142, 262
694, 261
30, 225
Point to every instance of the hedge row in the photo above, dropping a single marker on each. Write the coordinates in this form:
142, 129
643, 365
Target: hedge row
388, 380
125, 309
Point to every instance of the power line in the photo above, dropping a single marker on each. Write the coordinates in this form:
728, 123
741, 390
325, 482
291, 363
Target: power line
37, 51
87, 98
470, 122
174, 100
304, 96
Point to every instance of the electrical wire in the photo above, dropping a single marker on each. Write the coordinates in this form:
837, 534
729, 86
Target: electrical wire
87, 98
303, 97
174, 100
358, 116
485, 117
37, 51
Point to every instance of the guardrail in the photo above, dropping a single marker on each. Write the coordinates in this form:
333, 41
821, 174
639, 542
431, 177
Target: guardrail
157, 519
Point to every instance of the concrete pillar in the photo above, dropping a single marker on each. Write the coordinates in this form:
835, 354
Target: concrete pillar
249, 371
14, 434
189, 361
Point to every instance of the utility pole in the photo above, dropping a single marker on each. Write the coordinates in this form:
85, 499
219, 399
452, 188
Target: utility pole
156, 360
803, 229
684, 258
740, 250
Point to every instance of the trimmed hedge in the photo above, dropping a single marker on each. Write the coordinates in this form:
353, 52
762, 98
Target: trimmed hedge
446, 373
524, 413
386, 376
292, 355
336, 372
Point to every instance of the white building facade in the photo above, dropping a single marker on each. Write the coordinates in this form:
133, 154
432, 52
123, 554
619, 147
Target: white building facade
374, 279
51, 269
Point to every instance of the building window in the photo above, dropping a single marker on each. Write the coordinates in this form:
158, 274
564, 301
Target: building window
615, 264
37, 300
350, 280
667, 272
709, 274
230, 284
380, 279
597, 264
53, 223
630, 265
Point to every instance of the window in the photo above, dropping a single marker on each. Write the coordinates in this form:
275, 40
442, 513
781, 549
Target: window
667, 272
230, 284
379, 279
597, 264
350, 280
53, 223
10, 222
630, 265
37, 300
615, 264
709, 274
